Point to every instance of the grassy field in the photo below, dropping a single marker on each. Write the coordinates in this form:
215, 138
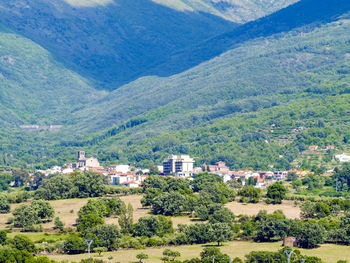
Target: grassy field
329, 253
67, 211
289, 209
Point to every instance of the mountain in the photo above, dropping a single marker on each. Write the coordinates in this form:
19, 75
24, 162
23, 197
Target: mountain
34, 87
109, 42
238, 11
112, 42
286, 72
302, 13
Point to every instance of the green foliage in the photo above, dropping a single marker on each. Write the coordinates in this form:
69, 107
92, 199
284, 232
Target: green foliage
125, 220
58, 224
100, 250
141, 257
78, 185
43, 209
25, 216
168, 204
88, 221
170, 255
22, 242
271, 229
250, 194
105, 236
74, 245
153, 225
4, 205
311, 235
276, 193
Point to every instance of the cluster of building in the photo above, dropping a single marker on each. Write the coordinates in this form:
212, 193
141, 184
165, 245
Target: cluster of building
175, 165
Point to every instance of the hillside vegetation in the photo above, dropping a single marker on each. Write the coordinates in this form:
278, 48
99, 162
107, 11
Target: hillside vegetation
289, 74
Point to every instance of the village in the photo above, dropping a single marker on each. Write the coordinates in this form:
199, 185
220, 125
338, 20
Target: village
175, 165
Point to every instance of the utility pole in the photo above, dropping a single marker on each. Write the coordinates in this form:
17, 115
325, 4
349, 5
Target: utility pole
89, 242
213, 257
288, 254
302, 260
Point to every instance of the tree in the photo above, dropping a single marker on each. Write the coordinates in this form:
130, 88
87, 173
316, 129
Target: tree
3, 237
22, 242
170, 255
100, 250
210, 254
311, 235
150, 194
25, 217
89, 184
74, 245
106, 236
126, 219
203, 179
271, 228
20, 176
224, 215
87, 221
141, 257
168, 204
222, 232
276, 193
4, 205
58, 187
250, 194
44, 209
153, 225
58, 224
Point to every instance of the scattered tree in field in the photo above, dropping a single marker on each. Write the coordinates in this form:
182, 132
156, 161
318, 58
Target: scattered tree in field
58, 224
44, 209
276, 193
100, 250
170, 255
4, 205
250, 194
74, 245
126, 219
221, 232
141, 257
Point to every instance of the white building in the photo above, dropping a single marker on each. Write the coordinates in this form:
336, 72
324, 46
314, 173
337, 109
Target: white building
121, 168
180, 165
342, 158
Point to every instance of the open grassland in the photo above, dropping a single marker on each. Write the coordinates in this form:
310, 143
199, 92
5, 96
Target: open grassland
67, 211
329, 253
289, 209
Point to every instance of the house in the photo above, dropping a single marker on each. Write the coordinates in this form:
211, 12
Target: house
290, 242
218, 168
121, 168
342, 157
330, 147
313, 147
131, 184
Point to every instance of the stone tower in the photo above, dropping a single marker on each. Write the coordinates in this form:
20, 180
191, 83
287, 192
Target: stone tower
81, 155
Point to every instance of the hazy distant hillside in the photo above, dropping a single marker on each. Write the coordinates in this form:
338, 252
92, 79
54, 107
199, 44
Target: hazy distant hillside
302, 13
238, 11
111, 42
34, 88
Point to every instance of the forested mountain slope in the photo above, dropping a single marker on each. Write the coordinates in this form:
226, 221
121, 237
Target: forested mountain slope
296, 84
302, 13
110, 42
34, 88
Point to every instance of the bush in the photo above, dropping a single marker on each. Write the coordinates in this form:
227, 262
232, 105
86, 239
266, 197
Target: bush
4, 205
74, 245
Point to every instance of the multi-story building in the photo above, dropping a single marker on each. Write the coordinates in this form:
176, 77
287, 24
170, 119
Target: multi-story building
180, 165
